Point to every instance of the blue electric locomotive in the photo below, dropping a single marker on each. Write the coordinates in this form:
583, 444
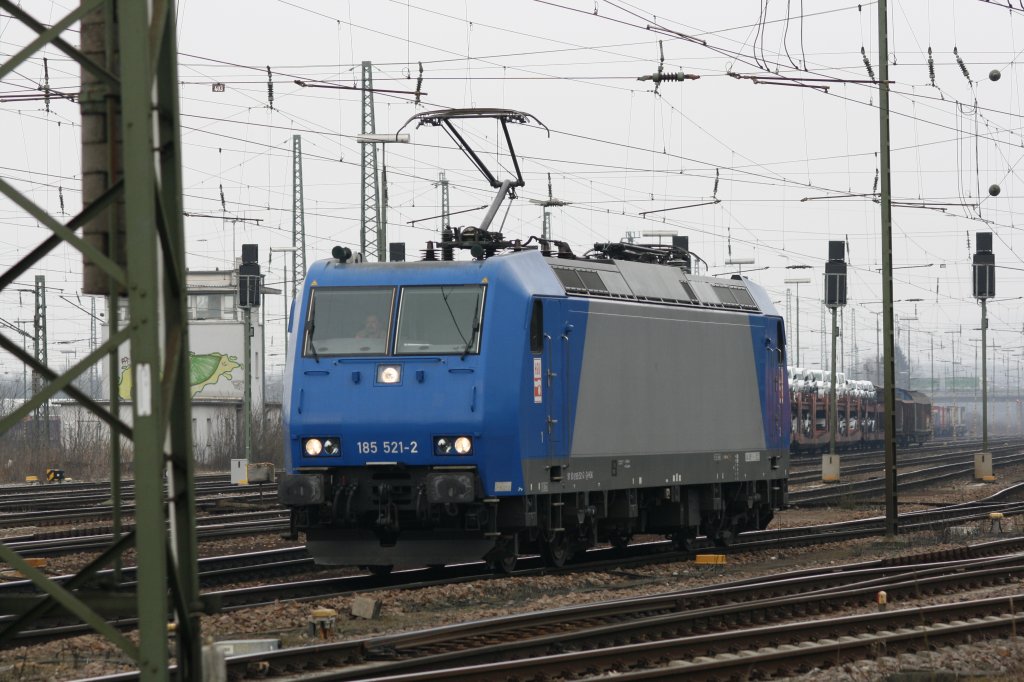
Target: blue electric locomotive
528, 400
453, 410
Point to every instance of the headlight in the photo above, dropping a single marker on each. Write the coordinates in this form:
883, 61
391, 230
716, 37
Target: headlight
453, 445
324, 445
389, 374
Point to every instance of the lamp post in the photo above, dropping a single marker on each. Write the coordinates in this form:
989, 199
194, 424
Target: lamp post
1006, 392
974, 392
878, 342
798, 281
740, 262
949, 381
910, 318
382, 139
285, 280
1020, 415
984, 288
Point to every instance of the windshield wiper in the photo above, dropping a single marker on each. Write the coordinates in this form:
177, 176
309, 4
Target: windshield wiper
475, 329
311, 327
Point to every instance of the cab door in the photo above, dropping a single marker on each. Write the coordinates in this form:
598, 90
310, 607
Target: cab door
777, 415
549, 350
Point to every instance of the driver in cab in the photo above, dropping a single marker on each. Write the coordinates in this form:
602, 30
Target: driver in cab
372, 329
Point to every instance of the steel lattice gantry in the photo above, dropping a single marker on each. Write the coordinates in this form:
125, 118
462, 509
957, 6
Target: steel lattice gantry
139, 252
298, 215
371, 240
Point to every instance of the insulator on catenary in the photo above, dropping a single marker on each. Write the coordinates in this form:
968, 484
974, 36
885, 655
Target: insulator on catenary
931, 66
963, 67
270, 89
678, 76
419, 84
867, 64
874, 187
46, 83
714, 192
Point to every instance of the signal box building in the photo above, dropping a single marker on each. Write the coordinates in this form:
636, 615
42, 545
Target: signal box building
217, 366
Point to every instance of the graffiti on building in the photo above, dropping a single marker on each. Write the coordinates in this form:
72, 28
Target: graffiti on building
204, 370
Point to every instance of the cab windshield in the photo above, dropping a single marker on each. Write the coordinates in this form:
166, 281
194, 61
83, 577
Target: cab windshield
439, 320
349, 321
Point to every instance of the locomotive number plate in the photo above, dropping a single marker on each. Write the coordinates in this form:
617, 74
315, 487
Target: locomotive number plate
387, 447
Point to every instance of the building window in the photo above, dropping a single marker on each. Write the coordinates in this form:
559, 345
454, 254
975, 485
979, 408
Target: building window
212, 307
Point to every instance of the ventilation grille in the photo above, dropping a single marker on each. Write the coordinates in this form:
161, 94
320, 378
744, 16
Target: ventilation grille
582, 281
590, 283
733, 297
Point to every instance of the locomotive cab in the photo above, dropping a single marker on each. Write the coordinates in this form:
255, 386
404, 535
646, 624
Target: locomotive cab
404, 384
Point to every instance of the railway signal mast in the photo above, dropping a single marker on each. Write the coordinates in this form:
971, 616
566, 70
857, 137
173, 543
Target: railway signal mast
984, 288
249, 284
835, 297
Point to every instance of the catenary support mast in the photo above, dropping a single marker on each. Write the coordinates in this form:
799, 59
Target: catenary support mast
132, 244
889, 344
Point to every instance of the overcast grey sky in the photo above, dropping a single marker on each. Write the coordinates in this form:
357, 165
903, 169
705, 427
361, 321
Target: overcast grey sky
616, 147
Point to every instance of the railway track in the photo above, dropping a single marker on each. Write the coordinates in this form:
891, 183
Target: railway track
213, 571
237, 567
804, 459
833, 493
36, 520
811, 471
654, 635
53, 508
8, 490
11, 495
39, 506
250, 523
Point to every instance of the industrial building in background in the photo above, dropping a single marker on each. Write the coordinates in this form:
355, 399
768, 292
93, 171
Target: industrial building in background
217, 368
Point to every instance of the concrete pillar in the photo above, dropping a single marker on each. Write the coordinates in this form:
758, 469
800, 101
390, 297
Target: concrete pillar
983, 466
830, 468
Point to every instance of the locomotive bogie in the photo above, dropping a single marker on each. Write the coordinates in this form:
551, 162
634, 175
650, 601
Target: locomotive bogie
350, 528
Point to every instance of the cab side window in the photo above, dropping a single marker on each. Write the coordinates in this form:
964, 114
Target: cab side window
537, 328
780, 334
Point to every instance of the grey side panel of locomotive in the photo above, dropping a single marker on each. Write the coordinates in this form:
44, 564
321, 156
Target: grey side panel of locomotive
668, 394
666, 380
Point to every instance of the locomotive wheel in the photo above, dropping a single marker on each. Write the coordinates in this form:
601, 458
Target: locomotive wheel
380, 569
505, 565
683, 541
502, 559
620, 541
556, 551
724, 539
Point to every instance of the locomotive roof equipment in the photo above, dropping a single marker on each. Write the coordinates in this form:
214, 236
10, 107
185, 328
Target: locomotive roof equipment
444, 118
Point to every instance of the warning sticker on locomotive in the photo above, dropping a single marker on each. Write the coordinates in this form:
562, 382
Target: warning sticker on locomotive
753, 456
503, 486
537, 396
